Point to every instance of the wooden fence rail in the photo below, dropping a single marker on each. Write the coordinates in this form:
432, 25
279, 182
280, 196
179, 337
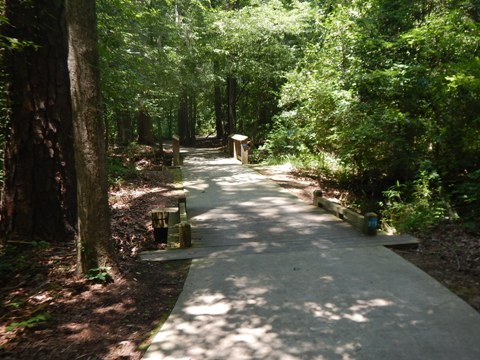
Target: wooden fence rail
238, 147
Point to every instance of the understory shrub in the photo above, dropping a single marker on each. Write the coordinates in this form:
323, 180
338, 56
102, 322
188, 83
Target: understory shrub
467, 200
416, 205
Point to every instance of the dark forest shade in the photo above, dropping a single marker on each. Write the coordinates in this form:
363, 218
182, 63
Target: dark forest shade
39, 191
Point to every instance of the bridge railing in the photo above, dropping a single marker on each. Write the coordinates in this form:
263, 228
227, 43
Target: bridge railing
238, 147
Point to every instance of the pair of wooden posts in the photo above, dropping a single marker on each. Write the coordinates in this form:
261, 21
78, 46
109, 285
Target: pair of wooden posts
167, 218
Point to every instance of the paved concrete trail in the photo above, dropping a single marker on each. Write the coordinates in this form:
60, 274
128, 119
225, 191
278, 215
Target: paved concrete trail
274, 278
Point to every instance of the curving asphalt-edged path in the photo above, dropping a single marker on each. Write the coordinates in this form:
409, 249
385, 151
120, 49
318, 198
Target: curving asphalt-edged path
274, 278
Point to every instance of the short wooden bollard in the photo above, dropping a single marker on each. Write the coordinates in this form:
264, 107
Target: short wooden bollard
317, 194
176, 150
244, 153
182, 199
185, 234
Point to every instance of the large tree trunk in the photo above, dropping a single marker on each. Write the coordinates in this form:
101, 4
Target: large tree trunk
144, 127
94, 244
39, 190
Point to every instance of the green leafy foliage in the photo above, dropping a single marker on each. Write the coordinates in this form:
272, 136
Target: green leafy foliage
99, 275
120, 171
376, 87
384, 87
467, 199
31, 322
417, 205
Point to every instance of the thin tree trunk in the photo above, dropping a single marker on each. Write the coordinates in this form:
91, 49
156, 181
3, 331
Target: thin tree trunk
170, 120
39, 189
159, 138
144, 127
218, 106
183, 118
192, 120
94, 244
231, 104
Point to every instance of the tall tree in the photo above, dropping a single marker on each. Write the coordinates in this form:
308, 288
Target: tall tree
144, 127
94, 244
39, 195
217, 93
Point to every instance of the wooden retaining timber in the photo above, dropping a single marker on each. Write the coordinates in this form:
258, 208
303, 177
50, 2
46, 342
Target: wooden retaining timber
367, 223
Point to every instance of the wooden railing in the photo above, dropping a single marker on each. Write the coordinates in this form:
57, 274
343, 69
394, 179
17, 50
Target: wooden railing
238, 147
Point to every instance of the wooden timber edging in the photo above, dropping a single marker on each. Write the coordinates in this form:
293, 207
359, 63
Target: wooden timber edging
367, 224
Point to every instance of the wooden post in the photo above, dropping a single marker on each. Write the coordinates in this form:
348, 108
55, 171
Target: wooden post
176, 150
244, 153
317, 194
238, 150
185, 234
230, 146
182, 199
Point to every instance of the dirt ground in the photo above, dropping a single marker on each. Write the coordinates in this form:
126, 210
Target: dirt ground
47, 313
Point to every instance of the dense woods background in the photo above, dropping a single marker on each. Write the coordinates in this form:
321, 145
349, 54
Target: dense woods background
382, 96
377, 99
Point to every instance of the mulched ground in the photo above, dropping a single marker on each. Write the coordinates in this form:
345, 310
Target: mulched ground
47, 313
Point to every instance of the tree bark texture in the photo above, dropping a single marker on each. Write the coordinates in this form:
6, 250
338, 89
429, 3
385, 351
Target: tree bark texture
39, 190
186, 119
232, 104
218, 107
94, 244
144, 127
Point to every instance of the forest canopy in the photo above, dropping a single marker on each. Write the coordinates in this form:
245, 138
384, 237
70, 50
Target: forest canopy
381, 95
